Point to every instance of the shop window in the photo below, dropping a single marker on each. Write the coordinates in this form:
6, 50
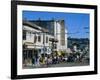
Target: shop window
29, 53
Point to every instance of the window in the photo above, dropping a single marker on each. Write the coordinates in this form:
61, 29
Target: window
24, 35
35, 39
39, 38
46, 39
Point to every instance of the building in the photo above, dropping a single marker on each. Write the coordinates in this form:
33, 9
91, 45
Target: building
43, 37
60, 35
57, 29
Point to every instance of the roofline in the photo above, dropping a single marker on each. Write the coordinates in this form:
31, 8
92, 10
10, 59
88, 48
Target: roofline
46, 20
34, 26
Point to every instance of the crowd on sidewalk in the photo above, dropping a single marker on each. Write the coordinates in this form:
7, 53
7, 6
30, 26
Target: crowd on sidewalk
45, 60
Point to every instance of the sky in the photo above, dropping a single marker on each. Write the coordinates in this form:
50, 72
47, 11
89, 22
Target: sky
77, 24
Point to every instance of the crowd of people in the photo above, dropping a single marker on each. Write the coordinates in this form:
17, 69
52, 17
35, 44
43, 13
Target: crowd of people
45, 60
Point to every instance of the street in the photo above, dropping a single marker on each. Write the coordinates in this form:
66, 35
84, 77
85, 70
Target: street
63, 64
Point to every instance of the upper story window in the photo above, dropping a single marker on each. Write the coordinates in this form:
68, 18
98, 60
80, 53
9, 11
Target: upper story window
46, 39
29, 34
35, 39
39, 38
24, 35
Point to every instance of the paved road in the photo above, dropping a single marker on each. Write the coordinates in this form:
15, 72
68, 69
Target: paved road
67, 64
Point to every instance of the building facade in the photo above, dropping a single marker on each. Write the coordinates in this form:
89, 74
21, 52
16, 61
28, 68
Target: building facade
37, 35
61, 35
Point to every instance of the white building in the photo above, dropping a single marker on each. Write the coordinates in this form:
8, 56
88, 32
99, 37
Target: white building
35, 40
37, 35
61, 35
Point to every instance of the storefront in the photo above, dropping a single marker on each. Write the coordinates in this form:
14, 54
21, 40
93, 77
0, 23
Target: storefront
29, 55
